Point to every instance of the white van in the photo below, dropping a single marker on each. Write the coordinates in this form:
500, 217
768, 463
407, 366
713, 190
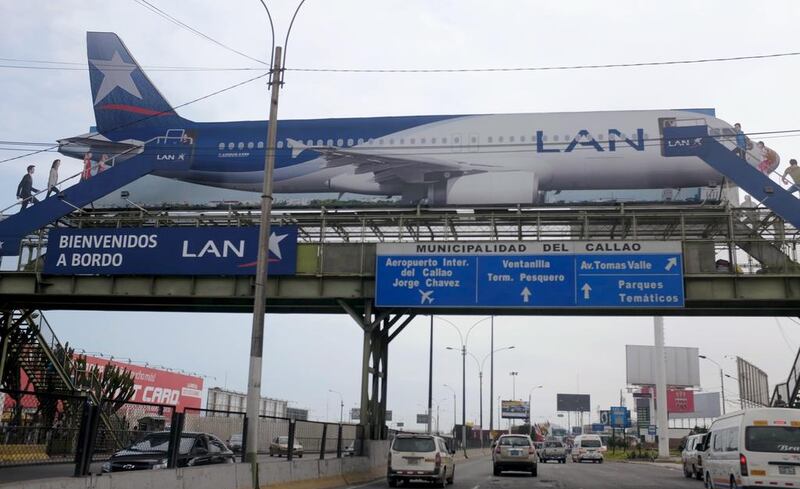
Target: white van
588, 447
754, 448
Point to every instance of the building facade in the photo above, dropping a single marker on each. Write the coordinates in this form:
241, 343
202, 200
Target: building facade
224, 400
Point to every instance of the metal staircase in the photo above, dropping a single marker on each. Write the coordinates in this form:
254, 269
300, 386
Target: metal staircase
44, 359
788, 393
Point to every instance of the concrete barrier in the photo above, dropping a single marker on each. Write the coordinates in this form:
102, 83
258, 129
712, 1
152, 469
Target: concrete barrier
305, 473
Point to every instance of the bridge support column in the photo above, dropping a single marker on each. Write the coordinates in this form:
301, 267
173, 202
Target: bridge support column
378, 333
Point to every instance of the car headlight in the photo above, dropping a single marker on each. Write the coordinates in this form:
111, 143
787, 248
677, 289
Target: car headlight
106, 467
161, 464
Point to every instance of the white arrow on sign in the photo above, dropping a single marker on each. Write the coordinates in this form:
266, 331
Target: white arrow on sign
586, 289
526, 295
671, 263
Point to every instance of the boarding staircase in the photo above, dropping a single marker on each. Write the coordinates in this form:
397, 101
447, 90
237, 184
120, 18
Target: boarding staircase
170, 152
788, 393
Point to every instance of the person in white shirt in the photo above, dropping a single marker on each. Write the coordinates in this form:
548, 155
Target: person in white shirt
52, 180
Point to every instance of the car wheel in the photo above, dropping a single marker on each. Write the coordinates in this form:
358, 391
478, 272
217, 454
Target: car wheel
300, 455
686, 472
600, 461
392, 482
535, 470
698, 474
708, 483
496, 470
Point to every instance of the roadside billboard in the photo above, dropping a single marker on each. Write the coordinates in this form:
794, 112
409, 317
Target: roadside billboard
753, 384
683, 365
706, 405
680, 401
573, 402
355, 414
422, 419
159, 386
514, 409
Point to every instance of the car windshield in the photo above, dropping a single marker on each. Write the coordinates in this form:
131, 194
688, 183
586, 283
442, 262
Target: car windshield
590, 443
159, 442
777, 439
414, 445
283, 439
515, 441
553, 444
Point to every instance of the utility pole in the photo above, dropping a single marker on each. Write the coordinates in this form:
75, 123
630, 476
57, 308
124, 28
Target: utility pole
464, 398
260, 293
661, 388
430, 378
491, 380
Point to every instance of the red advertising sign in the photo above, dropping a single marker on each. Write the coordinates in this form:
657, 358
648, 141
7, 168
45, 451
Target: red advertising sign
680, 401
159, 386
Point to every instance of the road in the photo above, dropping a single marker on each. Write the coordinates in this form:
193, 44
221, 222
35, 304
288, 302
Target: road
476, 473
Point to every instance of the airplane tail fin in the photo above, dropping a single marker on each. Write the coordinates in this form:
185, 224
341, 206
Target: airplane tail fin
124, 98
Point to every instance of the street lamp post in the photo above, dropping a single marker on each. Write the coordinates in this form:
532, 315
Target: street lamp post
530, 408
341, 405
464, 341
513, 384
721, 379
454, 407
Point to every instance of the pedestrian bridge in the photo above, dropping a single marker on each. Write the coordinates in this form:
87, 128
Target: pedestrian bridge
737, 261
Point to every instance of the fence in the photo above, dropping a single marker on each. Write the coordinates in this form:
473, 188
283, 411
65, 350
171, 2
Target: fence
39, 428
49, 428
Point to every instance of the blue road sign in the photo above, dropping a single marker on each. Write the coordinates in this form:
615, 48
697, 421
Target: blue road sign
598, 427
608, 274
620, 417
652, 430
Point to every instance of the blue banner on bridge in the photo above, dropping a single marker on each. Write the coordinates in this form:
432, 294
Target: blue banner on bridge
168, 251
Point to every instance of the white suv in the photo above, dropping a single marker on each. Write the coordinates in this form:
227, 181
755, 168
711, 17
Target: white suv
420, 457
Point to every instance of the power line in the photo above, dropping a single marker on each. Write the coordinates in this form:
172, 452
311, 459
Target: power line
148, 5
74, 66
544, 68
171, 109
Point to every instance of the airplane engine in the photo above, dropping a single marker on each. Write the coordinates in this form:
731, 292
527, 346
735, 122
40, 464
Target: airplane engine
360, 183
489, 189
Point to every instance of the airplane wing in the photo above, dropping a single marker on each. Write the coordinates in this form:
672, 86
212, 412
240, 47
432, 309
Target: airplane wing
405, 167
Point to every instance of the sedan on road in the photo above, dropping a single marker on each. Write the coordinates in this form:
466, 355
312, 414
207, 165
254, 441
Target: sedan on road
514, 452
151, 453
280, 447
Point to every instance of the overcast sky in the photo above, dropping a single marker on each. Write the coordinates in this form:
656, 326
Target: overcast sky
307, 355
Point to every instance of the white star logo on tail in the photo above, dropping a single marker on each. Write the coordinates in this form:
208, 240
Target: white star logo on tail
116, 73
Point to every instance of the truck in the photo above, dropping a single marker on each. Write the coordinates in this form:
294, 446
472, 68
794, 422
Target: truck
554, 450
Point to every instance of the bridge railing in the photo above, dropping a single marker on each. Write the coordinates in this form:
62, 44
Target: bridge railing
739, 236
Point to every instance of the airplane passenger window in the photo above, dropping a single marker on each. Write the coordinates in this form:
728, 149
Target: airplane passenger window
221, 146
391, 141
261, 145
230, 145
339, 142
413, 141
330, 142
380, 142
500, 139
522, 139
361, 141
511, 139
280, 144
489, 140
311, 142
433, 140
240, 145
566, 138
250, 145
319, 142
422, 141
544, 137
474, 140
599, 137
350, 142
555, 138
444, 140
402, 141
456, 140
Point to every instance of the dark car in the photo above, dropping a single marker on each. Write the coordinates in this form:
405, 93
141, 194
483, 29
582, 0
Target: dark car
151, 453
